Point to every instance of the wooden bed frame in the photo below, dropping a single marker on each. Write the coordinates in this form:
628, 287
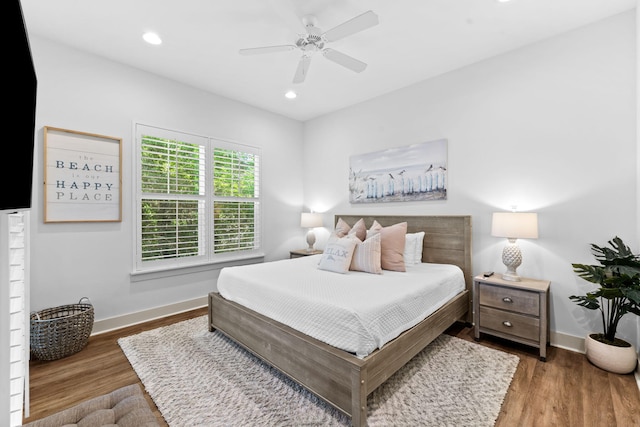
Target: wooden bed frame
339, 377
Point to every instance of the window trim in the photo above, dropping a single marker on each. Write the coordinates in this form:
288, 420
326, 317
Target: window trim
209, 260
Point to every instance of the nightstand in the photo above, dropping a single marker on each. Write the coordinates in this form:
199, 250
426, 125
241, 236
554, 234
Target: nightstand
517, 311
303, 252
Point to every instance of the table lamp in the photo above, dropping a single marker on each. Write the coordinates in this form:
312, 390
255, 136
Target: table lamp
513, 226
310, 220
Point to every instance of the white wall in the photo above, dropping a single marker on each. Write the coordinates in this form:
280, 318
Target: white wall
549, 128
82, 92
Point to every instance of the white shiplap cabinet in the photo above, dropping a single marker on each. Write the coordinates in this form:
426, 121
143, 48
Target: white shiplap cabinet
14, 318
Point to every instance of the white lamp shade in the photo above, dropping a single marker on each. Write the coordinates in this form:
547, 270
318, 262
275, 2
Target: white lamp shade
515, 225
310, 220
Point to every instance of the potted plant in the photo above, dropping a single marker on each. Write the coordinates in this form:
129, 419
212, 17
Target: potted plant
618, 277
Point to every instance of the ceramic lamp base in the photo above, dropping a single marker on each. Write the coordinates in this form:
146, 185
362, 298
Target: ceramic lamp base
311, 240
511, 258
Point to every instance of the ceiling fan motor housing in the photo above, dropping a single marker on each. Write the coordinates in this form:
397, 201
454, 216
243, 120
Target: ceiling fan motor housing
312, 41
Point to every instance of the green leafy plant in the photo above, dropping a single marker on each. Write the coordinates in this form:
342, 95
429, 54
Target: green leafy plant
618, 275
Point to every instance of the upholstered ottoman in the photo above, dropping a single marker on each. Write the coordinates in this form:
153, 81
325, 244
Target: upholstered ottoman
124, 407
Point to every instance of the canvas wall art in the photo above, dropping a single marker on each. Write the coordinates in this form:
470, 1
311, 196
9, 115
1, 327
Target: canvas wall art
415, 172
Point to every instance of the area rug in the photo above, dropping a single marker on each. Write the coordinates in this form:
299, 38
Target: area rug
201, 378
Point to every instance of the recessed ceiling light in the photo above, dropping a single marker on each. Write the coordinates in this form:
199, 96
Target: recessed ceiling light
291, 94
152, 38
503, 1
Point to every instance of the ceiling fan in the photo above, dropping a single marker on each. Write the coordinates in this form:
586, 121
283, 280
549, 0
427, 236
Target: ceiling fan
314, 40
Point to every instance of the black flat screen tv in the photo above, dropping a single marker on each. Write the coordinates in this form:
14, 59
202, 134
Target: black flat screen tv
16, 172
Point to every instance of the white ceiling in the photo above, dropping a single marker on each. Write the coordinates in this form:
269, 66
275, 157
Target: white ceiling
415, 40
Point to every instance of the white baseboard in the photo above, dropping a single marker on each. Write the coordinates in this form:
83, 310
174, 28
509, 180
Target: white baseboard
106, 325
567, 342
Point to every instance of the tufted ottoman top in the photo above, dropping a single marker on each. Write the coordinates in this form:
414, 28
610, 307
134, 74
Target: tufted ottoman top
124, 407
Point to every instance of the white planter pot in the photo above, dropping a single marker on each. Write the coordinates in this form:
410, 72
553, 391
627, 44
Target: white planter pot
619, 360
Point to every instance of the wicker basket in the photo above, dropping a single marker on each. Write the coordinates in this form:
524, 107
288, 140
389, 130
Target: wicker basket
61, 331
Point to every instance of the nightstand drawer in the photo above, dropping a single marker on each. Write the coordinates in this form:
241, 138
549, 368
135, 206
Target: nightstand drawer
510, 323
524, 302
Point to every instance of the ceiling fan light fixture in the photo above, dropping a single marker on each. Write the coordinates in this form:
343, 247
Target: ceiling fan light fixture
291, 94
152, 38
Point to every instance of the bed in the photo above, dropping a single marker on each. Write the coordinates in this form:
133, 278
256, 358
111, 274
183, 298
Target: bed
343, 378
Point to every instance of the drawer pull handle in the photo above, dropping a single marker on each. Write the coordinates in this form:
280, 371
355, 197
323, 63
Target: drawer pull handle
507, 324
507, 299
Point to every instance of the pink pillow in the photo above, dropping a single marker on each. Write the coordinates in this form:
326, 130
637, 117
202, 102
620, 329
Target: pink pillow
375, 228
367, 255
359, 230
391, 245
342, 229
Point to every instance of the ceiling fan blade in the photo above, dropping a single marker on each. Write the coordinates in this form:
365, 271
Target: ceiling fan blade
352, 26
266, 49
344, 60
303, 68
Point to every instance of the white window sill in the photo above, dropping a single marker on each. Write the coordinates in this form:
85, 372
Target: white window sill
138, 276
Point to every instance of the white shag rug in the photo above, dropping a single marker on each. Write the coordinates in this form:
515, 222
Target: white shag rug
201, 378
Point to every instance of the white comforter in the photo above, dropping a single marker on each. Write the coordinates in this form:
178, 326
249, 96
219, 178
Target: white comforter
356, 312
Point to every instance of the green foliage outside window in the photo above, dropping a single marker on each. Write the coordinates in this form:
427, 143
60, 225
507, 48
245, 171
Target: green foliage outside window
170, 166
174, 198
234, 221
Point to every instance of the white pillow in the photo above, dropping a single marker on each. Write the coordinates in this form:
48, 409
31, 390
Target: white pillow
337, 254
413, 248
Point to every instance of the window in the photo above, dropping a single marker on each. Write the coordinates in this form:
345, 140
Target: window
198, 199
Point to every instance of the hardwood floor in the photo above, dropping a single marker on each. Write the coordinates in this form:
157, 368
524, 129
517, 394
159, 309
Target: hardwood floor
564, 391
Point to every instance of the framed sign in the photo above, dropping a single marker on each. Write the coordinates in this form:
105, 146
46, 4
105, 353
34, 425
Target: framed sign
82, 176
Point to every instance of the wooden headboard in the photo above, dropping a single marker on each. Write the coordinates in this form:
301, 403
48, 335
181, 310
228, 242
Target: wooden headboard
447, 238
